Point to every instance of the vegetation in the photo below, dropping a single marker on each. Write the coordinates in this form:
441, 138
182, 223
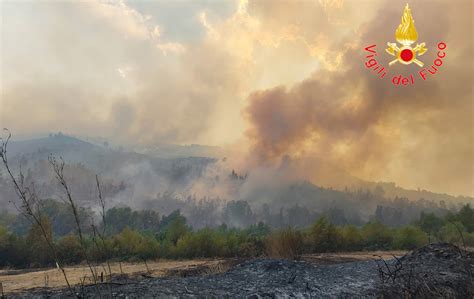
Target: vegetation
52, 233
144, 235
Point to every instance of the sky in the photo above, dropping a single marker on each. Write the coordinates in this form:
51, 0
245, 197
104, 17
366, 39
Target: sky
278, 80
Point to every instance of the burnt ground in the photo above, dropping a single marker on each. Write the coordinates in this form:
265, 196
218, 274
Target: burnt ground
436, 270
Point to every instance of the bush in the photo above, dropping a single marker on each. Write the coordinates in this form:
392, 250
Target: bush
410, 237
450, 233
430, 223
377, 236
324, 236
38, 245
469, 239
198, 244
286, 243
351, 238
466, 217
148, 248
69, 249
13, 250
174, 228
127, 242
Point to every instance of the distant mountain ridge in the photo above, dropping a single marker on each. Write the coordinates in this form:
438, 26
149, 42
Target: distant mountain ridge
173, 161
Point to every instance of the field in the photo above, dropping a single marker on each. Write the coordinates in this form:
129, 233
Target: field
22, 280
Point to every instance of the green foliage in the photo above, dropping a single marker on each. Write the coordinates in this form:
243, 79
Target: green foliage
14, 251
141, 235
451, 232
39, 237
148, 248
117, 219
469, 239
173, 227
410, 237
202, 243
324, 236
430, 223
60, 213
127, 242
69, 249
452, 228
351, 238
377, 236
466, 217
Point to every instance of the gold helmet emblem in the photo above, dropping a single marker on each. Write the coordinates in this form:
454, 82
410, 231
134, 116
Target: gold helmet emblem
406, 35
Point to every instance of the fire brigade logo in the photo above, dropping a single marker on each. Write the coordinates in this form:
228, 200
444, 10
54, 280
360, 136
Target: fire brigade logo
406, 35
406, 53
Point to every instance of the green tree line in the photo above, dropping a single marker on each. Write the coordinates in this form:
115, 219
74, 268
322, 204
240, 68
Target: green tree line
144, 235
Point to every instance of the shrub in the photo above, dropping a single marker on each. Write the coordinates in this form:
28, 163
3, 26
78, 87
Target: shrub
450, 233
38, 244
410, 237
198, 244
148, 248
324, 236
69, 249
430, 223
469, 239
127, 242
175, 228
351, 238
466, 217
377, 236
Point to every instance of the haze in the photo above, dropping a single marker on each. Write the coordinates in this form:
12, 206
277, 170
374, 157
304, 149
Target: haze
268, 81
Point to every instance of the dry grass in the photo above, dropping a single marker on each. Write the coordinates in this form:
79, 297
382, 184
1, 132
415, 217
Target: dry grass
19, 280
284, 244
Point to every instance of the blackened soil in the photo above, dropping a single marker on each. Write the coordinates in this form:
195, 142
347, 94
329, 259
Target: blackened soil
436, 270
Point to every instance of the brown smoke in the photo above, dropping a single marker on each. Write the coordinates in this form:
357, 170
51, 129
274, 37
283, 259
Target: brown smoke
350, 118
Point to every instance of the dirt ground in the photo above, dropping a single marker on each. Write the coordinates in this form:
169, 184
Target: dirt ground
20, 280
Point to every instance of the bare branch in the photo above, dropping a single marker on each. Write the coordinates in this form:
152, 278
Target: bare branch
29, 205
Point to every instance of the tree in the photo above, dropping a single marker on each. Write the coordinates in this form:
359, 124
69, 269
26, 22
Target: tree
60, 215
238, 213
118, 219
451, 232
377, 236
29, 204
176, 229
38, 243
127, 242
466, 217
324, 236
351, 238
69, 249
410, 237
430, 223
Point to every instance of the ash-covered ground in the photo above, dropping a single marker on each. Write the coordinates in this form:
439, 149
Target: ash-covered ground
436, 270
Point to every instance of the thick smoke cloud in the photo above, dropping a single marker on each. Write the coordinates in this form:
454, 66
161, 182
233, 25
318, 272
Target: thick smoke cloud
282, 80
350, 118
